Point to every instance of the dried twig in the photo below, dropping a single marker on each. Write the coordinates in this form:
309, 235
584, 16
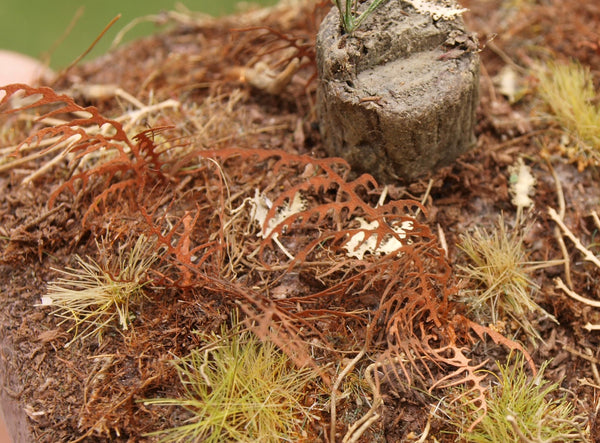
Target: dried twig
561, 211
442, 238
587, 254
425, 196
594, 364
560, 285
36, 221
334, 390
594, 215
513, 422
580, 354
594, 303
425, 432
361, 425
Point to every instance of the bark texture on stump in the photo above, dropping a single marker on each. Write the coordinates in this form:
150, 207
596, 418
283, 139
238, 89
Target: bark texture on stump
397, 98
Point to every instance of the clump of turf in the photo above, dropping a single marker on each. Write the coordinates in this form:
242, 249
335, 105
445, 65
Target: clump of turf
568, 92
520, 408
238, 388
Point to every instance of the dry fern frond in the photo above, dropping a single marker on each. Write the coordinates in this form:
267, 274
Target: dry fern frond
520, 408
412, 281
285, 50
125, 166
422, 330
188, 253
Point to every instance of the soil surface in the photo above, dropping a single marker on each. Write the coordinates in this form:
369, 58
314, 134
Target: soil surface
216, 100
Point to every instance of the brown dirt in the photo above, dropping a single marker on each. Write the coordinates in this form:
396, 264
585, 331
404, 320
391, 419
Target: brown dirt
90, 391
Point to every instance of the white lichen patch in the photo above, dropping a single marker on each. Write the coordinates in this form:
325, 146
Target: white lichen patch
522, 184
357, 246
261, 205
438, 9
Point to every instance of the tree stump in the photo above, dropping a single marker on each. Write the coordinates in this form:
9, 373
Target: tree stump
397, 98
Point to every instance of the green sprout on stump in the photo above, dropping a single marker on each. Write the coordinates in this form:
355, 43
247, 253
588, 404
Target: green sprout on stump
349, 16
438, 9
238, 388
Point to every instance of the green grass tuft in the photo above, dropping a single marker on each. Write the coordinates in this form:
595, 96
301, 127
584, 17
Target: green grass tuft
501, 286
95, 295
520, 409
568, 92
238, 388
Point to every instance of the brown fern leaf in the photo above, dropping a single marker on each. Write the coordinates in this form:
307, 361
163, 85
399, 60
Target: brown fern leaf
411, 278
187, 253
498, 338
131, 163
339, 201
469, 374
416, 291
427, 337
414, 319
268, 319
281, 325
465, 374
21, 97
28, 97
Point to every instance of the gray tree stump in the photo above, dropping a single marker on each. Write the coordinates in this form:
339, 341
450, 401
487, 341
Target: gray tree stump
397, 98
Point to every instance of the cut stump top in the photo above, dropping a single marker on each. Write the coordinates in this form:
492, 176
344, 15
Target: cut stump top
397, 98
